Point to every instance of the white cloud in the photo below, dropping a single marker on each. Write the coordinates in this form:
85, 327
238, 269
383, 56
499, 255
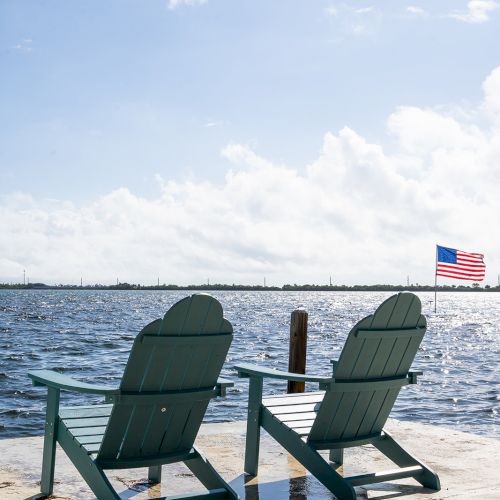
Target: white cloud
416, 11
364, 10
477, 11
363, 21
174, 4
491, 88
358, 21
356, 212
214, 123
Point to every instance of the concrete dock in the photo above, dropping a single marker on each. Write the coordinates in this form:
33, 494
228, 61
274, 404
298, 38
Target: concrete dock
468, 466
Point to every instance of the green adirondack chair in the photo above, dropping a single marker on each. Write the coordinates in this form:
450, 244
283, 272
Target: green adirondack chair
352, 407
154, 415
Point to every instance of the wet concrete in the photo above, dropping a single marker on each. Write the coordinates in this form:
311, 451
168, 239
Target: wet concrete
467, 466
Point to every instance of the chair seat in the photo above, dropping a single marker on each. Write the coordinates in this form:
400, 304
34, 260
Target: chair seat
296, 411
86, 424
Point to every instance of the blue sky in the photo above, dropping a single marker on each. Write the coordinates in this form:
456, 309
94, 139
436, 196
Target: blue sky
108, 105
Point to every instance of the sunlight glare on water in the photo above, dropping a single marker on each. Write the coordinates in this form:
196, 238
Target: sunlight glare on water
88, 334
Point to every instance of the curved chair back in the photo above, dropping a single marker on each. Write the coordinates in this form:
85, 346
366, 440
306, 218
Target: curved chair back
168, 382
370, 372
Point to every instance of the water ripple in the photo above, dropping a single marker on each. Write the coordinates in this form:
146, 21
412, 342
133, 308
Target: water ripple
88, 335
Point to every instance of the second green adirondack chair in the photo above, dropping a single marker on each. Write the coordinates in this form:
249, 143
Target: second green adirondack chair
353, 406
155, 413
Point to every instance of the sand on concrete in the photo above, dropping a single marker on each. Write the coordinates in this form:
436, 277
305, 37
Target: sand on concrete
467, 466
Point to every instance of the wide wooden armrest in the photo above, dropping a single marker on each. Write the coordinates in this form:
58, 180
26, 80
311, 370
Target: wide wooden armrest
246, 370
56, 380
222, 384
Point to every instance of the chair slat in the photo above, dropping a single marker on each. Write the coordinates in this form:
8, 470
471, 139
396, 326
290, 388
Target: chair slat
371, 413
306, 415
135, 432
361, 407
294, 409
87, 431
159, 363
92, 439
192, 424
173, 434
156, 427
297, 424
85, 411
385, 409
376, 366
339, 421
290, 399
111, 443
75, 423
384, 334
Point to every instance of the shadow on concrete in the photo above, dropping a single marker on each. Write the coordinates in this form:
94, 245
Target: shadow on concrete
308, 488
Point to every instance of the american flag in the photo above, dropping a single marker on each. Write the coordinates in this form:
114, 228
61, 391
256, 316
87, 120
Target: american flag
460, 265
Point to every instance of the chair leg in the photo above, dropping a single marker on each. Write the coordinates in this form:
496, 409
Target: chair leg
91, 472
207, 475
395, 452
49, 442
253, 426
309, 458
154, 474
322, 471
337, 456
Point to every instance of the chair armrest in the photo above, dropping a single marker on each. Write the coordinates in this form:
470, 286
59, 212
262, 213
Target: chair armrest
222, 384
246, 370
59, 381
412, 375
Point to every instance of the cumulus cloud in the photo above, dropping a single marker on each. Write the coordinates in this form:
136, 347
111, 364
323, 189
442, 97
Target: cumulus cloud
478, 11
174, 4
356, 212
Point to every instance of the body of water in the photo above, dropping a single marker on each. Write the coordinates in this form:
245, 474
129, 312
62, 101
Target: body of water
88, 335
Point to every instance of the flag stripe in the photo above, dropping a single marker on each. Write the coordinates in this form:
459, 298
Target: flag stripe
457, 277
475, 270
458, 273
471, 261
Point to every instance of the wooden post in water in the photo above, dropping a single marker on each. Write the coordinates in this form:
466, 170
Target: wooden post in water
298, 349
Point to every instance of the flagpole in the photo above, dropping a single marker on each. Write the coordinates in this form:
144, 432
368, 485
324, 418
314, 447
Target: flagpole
435, 280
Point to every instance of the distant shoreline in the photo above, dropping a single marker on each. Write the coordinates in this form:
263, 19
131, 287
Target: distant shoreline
256, 288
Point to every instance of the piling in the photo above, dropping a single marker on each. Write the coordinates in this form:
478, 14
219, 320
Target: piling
298, 349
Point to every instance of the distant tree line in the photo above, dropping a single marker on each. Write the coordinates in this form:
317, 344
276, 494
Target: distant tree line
475, 287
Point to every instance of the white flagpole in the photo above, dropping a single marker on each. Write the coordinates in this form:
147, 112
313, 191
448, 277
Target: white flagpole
436, 280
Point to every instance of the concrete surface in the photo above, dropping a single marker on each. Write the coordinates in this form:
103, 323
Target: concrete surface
467, 465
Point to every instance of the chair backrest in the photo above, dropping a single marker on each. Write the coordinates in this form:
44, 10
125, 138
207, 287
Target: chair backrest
379, 350
168, 381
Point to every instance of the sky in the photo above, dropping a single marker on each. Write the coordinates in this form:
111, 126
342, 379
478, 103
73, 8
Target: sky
237, 141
